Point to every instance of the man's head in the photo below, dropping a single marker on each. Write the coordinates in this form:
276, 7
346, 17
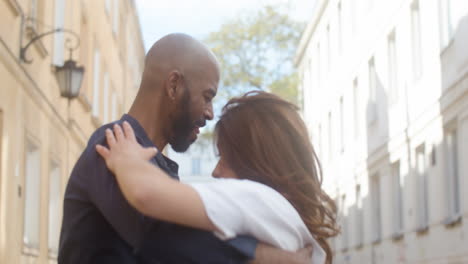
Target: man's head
180, 80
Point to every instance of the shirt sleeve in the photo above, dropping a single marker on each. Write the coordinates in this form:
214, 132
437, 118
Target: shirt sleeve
243, 207
104, 193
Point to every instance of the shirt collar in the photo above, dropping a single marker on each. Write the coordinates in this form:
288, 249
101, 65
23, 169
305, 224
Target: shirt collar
141, 134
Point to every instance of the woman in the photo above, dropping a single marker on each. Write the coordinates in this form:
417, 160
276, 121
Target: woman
270, 187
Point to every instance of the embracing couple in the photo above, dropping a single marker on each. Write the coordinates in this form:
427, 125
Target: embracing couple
124, 203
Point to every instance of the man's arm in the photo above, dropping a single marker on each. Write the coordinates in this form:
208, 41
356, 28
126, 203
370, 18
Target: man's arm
265, 254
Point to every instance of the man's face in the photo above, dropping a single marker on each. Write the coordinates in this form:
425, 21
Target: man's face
194, 109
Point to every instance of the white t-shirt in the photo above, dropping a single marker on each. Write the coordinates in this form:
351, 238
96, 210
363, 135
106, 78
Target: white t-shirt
244, 207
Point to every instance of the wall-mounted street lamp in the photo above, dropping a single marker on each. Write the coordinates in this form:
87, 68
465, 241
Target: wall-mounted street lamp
69, 76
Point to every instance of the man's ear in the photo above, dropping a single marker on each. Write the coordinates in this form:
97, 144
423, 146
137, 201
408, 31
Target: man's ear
174, 81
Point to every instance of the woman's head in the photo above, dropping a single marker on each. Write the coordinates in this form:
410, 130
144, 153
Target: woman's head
261, 137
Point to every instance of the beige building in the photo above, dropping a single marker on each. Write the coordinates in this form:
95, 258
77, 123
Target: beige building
41, 136
385, 95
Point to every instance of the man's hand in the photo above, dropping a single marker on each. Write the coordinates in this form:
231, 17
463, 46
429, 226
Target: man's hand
265, 254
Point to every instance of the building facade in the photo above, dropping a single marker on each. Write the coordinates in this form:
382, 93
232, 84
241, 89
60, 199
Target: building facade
197, 163
385, 97
41, 133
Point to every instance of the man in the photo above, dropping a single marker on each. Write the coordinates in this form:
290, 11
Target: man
174, 101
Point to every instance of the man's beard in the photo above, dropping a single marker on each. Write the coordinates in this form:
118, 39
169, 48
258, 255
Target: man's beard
183, 127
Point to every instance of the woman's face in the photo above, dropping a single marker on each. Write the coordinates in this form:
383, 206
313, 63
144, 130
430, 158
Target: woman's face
222, 170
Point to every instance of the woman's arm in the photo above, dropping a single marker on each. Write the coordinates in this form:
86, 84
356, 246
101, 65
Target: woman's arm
147, 187
153, 193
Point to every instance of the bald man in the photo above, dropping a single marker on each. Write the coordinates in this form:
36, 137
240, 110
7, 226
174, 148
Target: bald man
174, 101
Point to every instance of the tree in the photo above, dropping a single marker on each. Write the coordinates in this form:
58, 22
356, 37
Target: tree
256, 51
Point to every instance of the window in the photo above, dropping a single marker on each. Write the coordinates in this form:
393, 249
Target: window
421, 169
310, 72
96, 84
359, 217
320, 145
370, 4
54, 208
392, 69
59, 43
372, 81
116, 17
375, 202
1, 151
330, 136
341, 125
108, 6
318, 67
106, 98
328, 53
397, 200
33, 11
196, 166
416, 40
354, 15
372, 106
84, 56
32, 199
446, 23
452, 172
115, 106
340, 27
356, 113
344, 224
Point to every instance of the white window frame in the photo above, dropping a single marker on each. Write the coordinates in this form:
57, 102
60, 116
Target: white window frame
354, 9
392, 69
328, 53
422, 188
320, 139
59, 38
372, 113
376, 204
196, 166
359, 217
33, 13
446, 24
32, 204
108, 6
356, 107
398, 221
344, 224
416, 39
372, 81
330, 136
96, 82
340, 27
342, 125
318, 69
116, 17
452, 170
106, 98
115, 106
55, 196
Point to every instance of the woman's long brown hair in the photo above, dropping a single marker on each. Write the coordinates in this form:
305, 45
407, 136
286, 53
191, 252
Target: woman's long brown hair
262, 138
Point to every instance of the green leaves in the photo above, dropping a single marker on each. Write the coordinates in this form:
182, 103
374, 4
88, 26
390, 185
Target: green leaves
256, 51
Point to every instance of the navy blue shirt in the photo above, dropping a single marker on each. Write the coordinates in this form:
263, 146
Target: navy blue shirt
100, 226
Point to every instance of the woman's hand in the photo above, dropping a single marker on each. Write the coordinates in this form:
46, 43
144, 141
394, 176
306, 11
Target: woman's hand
123, 146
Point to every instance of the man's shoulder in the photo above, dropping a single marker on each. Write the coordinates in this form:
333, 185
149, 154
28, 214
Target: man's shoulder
99, 135
89, 163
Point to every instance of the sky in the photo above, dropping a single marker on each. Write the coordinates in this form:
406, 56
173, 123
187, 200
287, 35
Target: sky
200, 17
